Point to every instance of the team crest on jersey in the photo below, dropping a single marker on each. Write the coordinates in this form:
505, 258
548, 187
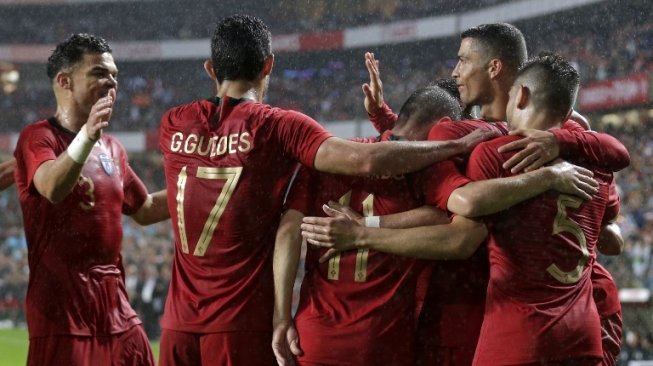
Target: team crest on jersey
107, 164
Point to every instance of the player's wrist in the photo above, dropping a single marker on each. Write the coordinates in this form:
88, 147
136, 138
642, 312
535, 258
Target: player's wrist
81, 146
372, 221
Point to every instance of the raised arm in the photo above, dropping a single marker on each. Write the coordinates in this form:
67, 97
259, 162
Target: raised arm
341, 156
55, 179
378, 111
7, 173
287, 250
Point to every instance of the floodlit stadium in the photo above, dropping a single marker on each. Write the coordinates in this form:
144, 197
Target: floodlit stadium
319, 48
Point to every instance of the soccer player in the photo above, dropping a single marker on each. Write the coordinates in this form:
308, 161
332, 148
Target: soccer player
73, 183
489, 57
227, 161
357, 308
7, 173
528, 295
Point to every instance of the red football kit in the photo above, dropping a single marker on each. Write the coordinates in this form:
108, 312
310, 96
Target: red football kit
227, 163
359, 307
76, 283
539, 303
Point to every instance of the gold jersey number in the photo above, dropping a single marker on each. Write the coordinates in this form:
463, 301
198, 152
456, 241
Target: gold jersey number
563, 224
231, 176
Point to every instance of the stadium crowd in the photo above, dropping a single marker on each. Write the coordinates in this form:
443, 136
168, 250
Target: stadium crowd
327, 85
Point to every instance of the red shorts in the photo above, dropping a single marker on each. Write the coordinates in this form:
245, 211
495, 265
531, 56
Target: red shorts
130, 348
224, 349
611, 332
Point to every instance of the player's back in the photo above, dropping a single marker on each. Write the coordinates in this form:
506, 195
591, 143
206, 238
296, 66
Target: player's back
539, 302
358, 308
227, 164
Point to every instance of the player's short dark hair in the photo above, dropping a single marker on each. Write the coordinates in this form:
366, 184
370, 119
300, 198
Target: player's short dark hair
500, 40
553, 83
239, 47
72, 50
451, 86
428, 104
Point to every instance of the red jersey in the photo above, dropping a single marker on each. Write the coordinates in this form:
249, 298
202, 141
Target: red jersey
227, 163
358, 308
76, 283
539, 299
453, 309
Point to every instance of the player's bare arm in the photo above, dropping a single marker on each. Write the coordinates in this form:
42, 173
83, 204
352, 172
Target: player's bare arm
7, 173
420, 216
473, 200
611, 242
341, 156
540, 147
457, 240
287, 250
55, 179
154, 209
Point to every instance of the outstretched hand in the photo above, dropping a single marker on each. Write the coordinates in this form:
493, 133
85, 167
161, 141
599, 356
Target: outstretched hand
374, 90
574, 180
100, 115
285, 343
537, 148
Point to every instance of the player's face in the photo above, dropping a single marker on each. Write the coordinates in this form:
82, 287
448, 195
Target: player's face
92, 78
471, 73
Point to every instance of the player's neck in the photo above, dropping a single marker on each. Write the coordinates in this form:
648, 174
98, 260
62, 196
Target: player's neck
68, 118
239, 89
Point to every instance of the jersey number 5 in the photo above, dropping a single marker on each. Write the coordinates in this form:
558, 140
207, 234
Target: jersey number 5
231, 176
563, 224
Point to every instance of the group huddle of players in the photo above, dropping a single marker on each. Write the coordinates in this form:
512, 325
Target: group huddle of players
426, 247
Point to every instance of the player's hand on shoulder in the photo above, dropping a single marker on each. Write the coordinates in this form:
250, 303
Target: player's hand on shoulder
100, 115
477, 136
537, 148
374, 90
574, 180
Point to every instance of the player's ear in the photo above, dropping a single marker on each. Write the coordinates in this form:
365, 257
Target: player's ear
63, 80
494, 67
268, 64
444, 119
208, 67
523, 95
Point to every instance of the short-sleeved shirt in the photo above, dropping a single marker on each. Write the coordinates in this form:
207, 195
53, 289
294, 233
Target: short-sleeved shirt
541, 255
227, 163
76, 284
358, 308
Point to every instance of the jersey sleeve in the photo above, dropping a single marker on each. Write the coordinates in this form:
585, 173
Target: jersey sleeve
135, 192
439, 181
35, 146
588, 147
299, 135
384, 120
